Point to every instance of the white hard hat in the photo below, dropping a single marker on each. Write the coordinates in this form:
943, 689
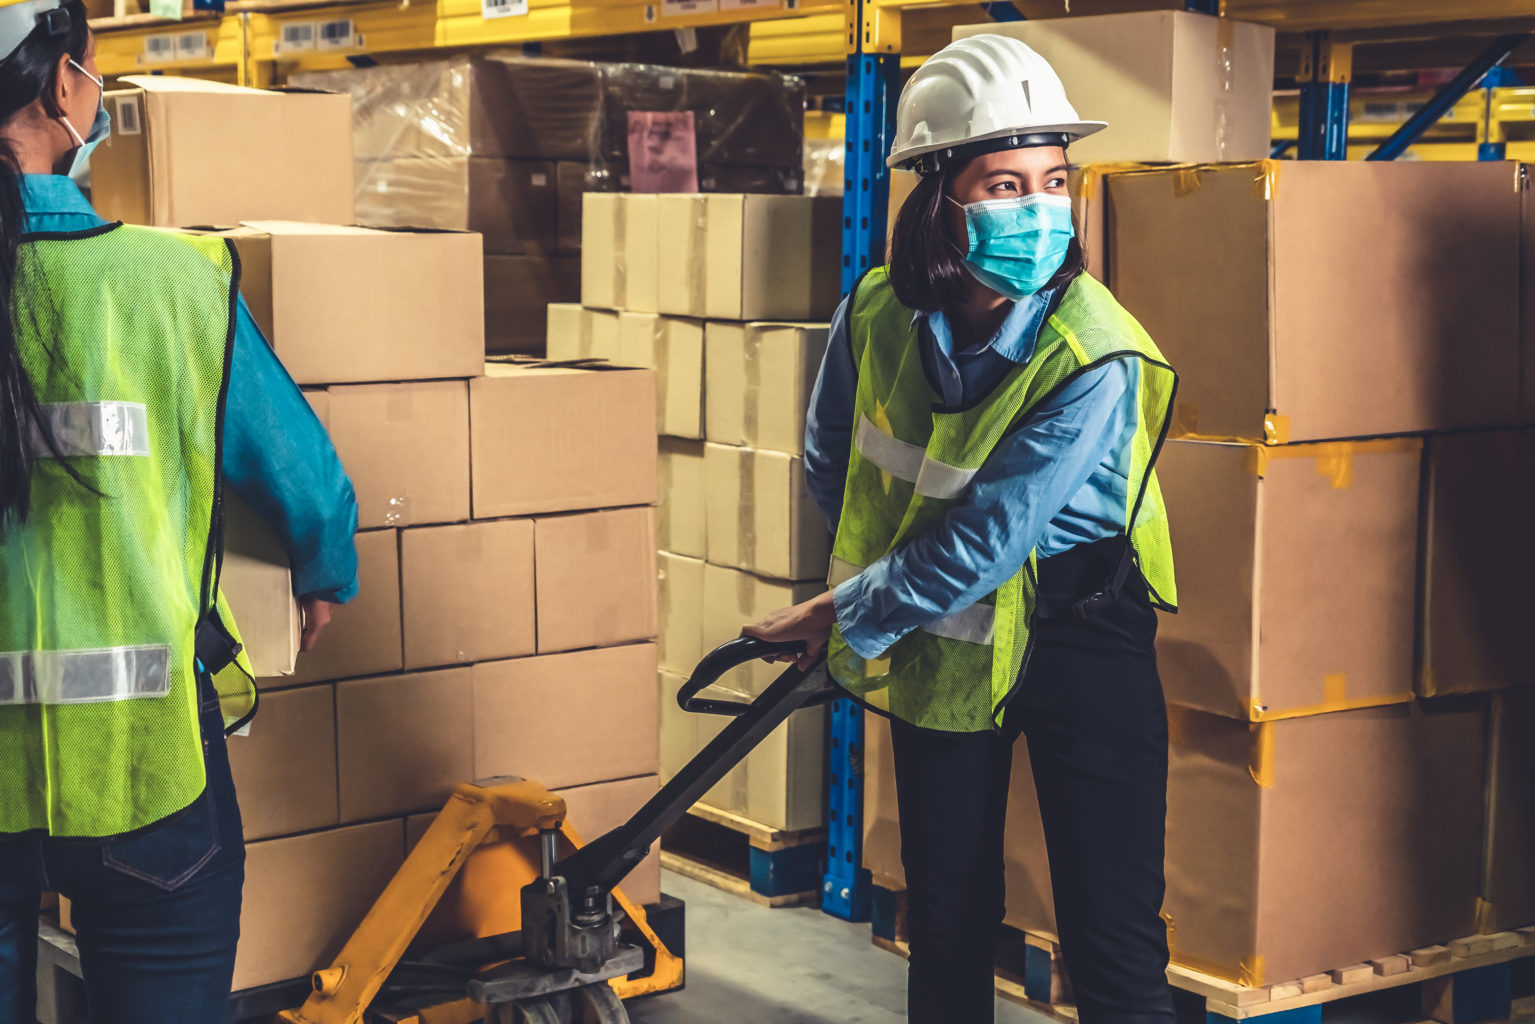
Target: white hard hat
19, 17
981, 94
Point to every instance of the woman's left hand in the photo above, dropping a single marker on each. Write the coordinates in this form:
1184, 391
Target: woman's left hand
810, 622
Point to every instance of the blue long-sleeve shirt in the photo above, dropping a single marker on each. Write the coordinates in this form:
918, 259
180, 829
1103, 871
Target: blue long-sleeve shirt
276, 455
1058, 481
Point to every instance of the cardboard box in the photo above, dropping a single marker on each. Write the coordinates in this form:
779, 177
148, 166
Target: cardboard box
468, 592
406, 448
681, 512
761, 377
602, 240
733, 599
567, 719
363, 637
780, 784
1508, 897
681, 601
403, 742
187, 151
555, 439
1174, 87
285, 767
641, 254
518, 290
761, 516
1253, 895
580, 334
749, 257
258, 584
1416, 263
596, 578
674, 348
512, 204
344, 305
1296, 576
1476, 556
305, 895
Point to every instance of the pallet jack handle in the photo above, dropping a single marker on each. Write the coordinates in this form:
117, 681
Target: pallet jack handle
721, 660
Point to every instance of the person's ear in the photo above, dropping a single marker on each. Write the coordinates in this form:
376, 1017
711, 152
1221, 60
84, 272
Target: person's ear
60, 91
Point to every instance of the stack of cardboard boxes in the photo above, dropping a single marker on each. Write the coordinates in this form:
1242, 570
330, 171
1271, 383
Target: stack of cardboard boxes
507, 145
506, 543
1349, 454
726, 296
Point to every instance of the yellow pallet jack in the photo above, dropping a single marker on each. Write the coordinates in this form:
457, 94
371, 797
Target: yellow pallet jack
502, 915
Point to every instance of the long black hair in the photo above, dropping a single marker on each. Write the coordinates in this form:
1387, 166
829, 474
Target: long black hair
927, 266
26, 75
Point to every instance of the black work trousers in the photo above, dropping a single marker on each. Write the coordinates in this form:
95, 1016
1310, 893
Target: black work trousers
1090, 704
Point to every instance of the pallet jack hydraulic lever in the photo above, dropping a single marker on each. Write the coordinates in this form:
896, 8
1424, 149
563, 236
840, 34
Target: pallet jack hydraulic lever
567, 916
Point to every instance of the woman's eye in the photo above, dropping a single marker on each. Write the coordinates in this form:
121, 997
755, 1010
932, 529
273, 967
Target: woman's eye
1057, 183
1004, 186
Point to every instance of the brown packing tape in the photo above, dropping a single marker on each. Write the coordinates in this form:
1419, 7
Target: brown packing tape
1486, 917
620, 243
697, 257
751, 410
746, 596
746, 511
664, 500
663, 593
662, 350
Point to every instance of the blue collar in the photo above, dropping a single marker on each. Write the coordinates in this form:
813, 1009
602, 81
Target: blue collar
1014, 340
52, 193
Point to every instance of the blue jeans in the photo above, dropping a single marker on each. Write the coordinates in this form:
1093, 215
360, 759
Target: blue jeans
156, 911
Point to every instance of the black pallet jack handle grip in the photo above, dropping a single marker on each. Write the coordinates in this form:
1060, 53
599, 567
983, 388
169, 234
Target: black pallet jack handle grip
721, 660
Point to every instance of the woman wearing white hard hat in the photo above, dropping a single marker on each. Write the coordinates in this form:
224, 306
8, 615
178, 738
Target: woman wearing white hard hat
982, 441
134, 385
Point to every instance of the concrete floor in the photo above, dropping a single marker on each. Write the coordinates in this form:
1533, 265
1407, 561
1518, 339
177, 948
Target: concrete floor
748, 964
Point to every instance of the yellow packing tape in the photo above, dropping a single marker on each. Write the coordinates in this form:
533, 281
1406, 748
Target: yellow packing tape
1334, 458
1276, 428
1248, 972
1261, 714
1260, 764
1185, 181
1266, 183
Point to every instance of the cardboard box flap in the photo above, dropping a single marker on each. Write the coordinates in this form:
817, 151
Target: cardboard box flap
182, 84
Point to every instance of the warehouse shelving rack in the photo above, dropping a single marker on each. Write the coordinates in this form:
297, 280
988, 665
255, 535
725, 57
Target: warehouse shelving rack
256, 42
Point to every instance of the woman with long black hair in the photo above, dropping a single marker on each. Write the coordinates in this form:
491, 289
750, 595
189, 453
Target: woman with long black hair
133, 386
982, 441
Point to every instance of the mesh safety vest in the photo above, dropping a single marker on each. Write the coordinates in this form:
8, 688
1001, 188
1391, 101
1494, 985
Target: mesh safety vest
126, 335
913, 459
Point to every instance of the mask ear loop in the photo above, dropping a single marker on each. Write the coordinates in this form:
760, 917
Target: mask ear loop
101, 84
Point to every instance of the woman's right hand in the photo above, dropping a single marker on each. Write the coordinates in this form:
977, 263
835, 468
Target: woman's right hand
810, 622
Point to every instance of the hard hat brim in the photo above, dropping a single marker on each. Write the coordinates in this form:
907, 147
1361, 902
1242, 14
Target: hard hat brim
1074, 131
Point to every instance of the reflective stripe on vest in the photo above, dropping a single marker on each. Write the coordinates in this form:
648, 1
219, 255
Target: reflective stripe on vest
95, 428
973, 625
84, 677
909, 462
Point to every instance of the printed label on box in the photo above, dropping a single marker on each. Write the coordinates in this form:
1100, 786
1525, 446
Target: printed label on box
503, 8
127, 120
193, 46
296, 37
338, 35
160, 49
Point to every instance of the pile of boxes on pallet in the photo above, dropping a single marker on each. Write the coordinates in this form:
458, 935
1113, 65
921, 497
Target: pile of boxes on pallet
726, 296
508, 145
507, 548
1350, 465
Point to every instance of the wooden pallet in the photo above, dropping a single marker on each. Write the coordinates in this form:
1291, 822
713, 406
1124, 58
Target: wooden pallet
769, 866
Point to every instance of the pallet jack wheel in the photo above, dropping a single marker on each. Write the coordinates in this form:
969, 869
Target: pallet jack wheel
599, 1004
534, 1011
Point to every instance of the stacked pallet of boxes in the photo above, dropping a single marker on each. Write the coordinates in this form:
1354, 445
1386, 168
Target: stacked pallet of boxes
507, 608
1343, 477
507, 146
726, 295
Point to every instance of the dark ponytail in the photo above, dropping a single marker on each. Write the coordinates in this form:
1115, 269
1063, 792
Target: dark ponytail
26, 75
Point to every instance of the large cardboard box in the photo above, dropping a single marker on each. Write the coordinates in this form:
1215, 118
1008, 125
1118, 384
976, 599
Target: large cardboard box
681, 601
305, 895
596, 578
518, 290
406, 448
285, 766
681, 508
343, 305
186, 151
567, 719
1299, 846
749, 257
363, 637
1296, 576
674, 348
579, 333
1249, 277
467, 592
403, 742
258, 584
1477, 553
780, 784
641, 253
1174, 87
1508, 897
511, 204
761, 516
602, 243
733, 599
760, 378
555, 439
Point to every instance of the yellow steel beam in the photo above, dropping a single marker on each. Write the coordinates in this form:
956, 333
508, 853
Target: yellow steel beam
142, 43
1310, 15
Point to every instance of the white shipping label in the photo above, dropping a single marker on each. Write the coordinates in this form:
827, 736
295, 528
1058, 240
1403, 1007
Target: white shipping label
503, 8
127, 120
750, 5
193, 46
159, 49
340, 34
683, 8
297, 36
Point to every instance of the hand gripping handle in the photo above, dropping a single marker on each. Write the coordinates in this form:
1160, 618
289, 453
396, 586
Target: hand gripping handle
721, 660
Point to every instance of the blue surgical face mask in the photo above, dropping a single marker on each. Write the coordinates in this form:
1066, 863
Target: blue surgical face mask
101, 127
1017, 245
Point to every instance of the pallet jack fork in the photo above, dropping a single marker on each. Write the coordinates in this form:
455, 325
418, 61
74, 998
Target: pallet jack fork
570, 956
